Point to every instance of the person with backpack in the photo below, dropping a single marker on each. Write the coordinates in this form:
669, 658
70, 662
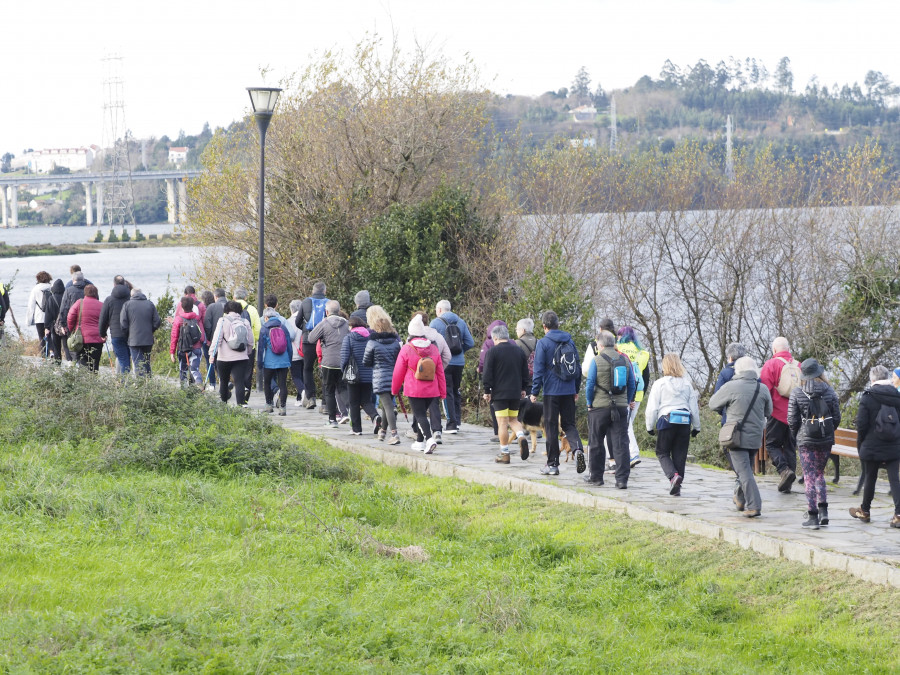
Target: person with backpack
813, 414
590, 352
229, 350
311, 314
610, 390
746, 403
527, 343
51, 313
358, 376
505, 380
381, 354
673, 416
556, 372
781, 374
110, 322
459, 340
878, 441
296, 352
252, 314
274, 355
84, 316
419, 374
330, 331
37, 301
73, 293
434, 410
628, 344
185, 343
485, 346
139, 320
214, 311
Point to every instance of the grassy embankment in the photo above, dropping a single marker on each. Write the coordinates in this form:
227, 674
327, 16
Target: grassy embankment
148, 528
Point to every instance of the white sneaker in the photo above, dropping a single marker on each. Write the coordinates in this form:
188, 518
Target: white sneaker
418, 446
298, 404
344, 419
430, 445
302, 400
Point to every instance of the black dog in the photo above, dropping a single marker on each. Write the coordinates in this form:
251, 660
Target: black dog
531, 417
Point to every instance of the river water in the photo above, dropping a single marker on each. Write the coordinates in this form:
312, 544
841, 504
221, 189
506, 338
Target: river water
153, 270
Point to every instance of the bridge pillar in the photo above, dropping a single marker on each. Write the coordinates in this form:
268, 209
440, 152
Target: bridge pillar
4, 205
182, 201
15, 206
171, 206
88, 209
99, 204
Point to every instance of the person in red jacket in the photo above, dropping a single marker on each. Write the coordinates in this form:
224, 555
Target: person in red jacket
90, 327
421, 382
780, 443
189, 359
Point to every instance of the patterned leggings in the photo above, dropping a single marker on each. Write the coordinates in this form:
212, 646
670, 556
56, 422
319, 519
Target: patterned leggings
813, 459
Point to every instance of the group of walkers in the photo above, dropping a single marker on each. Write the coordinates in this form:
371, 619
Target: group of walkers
364, 364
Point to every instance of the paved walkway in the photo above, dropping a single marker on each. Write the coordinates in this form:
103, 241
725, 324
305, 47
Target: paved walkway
869, 551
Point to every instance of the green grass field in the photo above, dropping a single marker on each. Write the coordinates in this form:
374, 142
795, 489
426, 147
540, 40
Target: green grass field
134, 541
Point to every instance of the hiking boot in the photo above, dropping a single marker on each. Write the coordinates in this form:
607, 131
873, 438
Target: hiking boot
430, 445
752, 513
737, 502
859, 514
418, 446
812, 520
895, 521
787, 479
676, 481
580, 464
268, 408
502, 458
523, 447
395, 439
377, 423
381, 434
548, 470
437, 438
823, 514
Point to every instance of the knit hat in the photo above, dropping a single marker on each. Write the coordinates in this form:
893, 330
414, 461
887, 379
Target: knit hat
416, 327
362, 298
746, 363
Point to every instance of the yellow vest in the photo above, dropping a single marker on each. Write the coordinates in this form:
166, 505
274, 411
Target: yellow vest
639, 356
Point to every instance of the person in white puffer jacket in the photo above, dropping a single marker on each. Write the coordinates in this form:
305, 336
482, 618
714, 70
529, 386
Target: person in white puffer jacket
673, 416
35, 316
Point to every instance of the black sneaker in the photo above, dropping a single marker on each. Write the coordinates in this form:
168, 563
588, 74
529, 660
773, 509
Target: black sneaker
590, 480
523, 447
812, 521
676, 484
580, 464
377, 423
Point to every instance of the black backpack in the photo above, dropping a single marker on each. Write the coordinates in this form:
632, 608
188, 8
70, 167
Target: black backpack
189, 335
565, 361
818, 424
46, 297
887, 424
453, 337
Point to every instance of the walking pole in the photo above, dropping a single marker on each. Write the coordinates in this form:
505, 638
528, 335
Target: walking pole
16, 323
112, 363
402, 407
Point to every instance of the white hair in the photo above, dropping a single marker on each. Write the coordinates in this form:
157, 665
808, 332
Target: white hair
606, 339
332, 307
525, 326
295, 306
781, 344
443, 306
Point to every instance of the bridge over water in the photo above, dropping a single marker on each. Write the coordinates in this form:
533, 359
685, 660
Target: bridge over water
176, 192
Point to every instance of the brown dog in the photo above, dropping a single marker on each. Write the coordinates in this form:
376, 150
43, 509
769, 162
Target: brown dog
531, 417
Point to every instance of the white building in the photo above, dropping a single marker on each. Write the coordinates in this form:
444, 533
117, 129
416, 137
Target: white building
177, 156
73, 159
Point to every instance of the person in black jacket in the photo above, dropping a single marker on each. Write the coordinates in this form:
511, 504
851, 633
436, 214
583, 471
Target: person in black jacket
813, 414
312, 311
878, 441
51, 312
506, 379
140, 320
110, 320
74, 292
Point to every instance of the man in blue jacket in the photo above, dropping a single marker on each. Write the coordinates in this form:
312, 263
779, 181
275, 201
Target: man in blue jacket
459, 339
557, 369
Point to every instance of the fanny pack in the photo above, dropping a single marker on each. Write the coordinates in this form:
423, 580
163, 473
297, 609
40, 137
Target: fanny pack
675, 417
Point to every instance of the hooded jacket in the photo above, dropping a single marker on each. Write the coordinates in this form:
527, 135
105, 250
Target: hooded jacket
363, 302
465, 335
769, 376
381, 355
110, 315
139, 320
35, 311
488, 343
176, 331
218, 346
90, 319
441, 344
734, 398
798, 410
297, 340
544, 376
672, 393
72, 294
405, 371
331, 331
356, 341
266, 358
52, 312
255, 323
873, 449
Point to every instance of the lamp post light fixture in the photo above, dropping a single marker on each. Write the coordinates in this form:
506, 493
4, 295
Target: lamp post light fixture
263, 100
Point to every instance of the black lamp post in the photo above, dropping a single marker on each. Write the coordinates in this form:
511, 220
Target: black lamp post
263, 100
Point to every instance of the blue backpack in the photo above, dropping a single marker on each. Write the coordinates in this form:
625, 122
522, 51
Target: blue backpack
318, 312
618, 375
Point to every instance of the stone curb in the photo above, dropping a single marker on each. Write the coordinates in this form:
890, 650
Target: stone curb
811, 556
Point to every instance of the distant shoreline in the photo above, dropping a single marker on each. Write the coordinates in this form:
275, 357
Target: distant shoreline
35, 250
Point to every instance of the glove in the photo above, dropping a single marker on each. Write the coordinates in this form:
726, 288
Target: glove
694, 433
652, 432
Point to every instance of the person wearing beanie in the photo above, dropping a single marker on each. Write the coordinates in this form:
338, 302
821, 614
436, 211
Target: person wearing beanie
363, 301
419, 374
747, 400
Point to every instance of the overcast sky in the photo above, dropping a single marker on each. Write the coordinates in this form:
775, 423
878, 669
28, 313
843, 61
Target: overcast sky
185, 63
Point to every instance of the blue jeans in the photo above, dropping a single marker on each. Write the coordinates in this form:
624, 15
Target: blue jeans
189, 366
123, 355
140, 357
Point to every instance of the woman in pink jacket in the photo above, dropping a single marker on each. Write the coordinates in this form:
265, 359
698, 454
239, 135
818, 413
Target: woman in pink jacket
422, 382
90, 327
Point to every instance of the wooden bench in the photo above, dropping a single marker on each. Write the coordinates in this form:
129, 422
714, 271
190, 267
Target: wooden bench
844, 446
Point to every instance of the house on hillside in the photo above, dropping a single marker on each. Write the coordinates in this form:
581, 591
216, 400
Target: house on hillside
177, 156
583, 113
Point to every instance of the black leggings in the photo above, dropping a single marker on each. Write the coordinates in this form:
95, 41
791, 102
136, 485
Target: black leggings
297, 376
280, 376
420, 414
90, 355
309, 370
227, 370
672, 449
871, 473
